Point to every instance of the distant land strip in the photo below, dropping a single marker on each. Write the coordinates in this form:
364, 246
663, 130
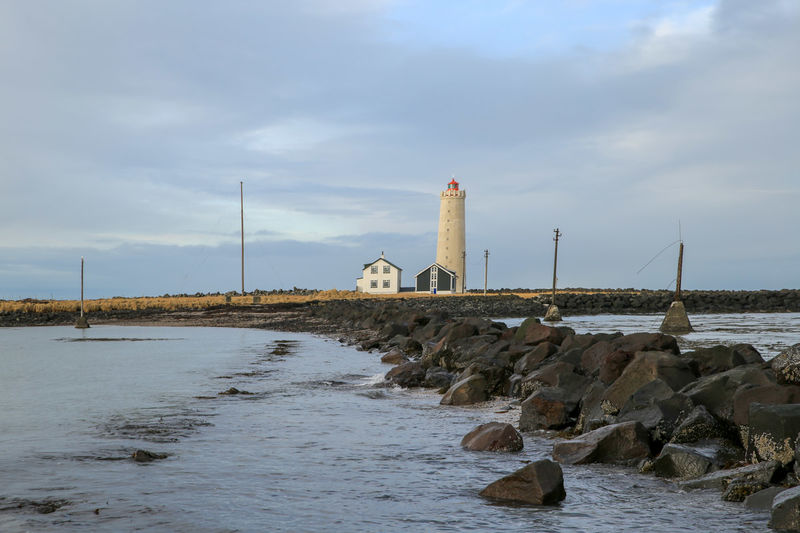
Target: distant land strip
289, 310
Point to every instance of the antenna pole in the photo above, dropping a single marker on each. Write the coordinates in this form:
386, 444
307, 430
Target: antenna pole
680, 270
241, 203
555, 264
81, 286
464, 271
485, 270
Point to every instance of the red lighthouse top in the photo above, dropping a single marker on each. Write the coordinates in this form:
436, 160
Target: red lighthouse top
453, 185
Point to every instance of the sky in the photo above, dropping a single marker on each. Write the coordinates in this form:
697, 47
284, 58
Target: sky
126, 128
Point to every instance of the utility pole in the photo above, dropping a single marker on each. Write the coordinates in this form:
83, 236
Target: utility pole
464, 271
555, 264
82, 323
485, 270
680, 270
553, 314
241, 203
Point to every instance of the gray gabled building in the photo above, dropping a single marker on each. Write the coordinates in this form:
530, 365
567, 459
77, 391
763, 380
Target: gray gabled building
435, 279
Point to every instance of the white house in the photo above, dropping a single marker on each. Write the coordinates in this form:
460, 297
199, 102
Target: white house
379, 277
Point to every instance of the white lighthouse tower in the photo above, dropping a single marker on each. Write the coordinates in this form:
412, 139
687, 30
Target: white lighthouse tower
451, 246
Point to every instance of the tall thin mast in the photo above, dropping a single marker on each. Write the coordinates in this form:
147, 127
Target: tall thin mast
241, 202
485, 270
555, 265
81, 286
680, 270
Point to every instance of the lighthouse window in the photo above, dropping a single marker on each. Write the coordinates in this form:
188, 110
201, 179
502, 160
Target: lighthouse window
386, 269
373, 269
386, 284
373, 284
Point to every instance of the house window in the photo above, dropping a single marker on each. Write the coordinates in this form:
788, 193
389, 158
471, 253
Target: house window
373, 284
386, 284
387, 269
373, 269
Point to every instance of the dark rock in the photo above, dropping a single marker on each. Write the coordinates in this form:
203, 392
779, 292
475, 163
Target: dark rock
556, 374
547, 408
613, 364
437, 377
539, 483
787, 365
531, 360
721, 358
467, 391
762, 500
739, 489
392, 329
699, 424
772, 432
645, 367
144, 456
688, 461
785, 514
532, 332
494, 371
394, 357
493, 437
716, 391
765, 472
234, 391
658, 408
765, 394
410, 374
623, 443
592, 415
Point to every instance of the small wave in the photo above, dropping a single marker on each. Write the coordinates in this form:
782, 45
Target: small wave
112, 339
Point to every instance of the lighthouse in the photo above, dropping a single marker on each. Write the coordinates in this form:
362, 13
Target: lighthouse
451, 246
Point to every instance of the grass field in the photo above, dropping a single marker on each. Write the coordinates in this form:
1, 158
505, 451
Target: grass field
176, 303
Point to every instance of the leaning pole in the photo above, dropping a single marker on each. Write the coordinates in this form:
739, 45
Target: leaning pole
553, 314
677, 321
82, 323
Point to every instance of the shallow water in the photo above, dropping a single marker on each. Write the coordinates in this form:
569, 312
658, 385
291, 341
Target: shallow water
320, 444
769, 333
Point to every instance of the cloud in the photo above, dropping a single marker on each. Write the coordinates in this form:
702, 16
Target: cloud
611, 120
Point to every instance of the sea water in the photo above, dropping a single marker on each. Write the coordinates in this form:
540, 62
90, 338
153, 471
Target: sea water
320, 443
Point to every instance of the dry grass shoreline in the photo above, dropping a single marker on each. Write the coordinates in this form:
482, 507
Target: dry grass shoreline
177, 303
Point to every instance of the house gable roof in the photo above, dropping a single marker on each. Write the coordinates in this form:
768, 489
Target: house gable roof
439, 266
367, 265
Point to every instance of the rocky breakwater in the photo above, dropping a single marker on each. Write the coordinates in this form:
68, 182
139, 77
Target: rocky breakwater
715, 418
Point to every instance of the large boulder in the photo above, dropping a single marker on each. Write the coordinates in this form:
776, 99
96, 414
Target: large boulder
438, 378
533, 358
539, 483
658, 408
772, 393
533, 332
772, 432
721, 358
698, 425
394, 357
785, 514
689, 461
547, 408
623, 443
716, 391
787, 365
762, 500
600, 353
409, 374
556, 374
467, 391
765, 472
493, 437
646, 367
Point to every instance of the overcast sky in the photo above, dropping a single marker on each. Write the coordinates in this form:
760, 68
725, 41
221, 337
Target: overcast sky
126, 127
